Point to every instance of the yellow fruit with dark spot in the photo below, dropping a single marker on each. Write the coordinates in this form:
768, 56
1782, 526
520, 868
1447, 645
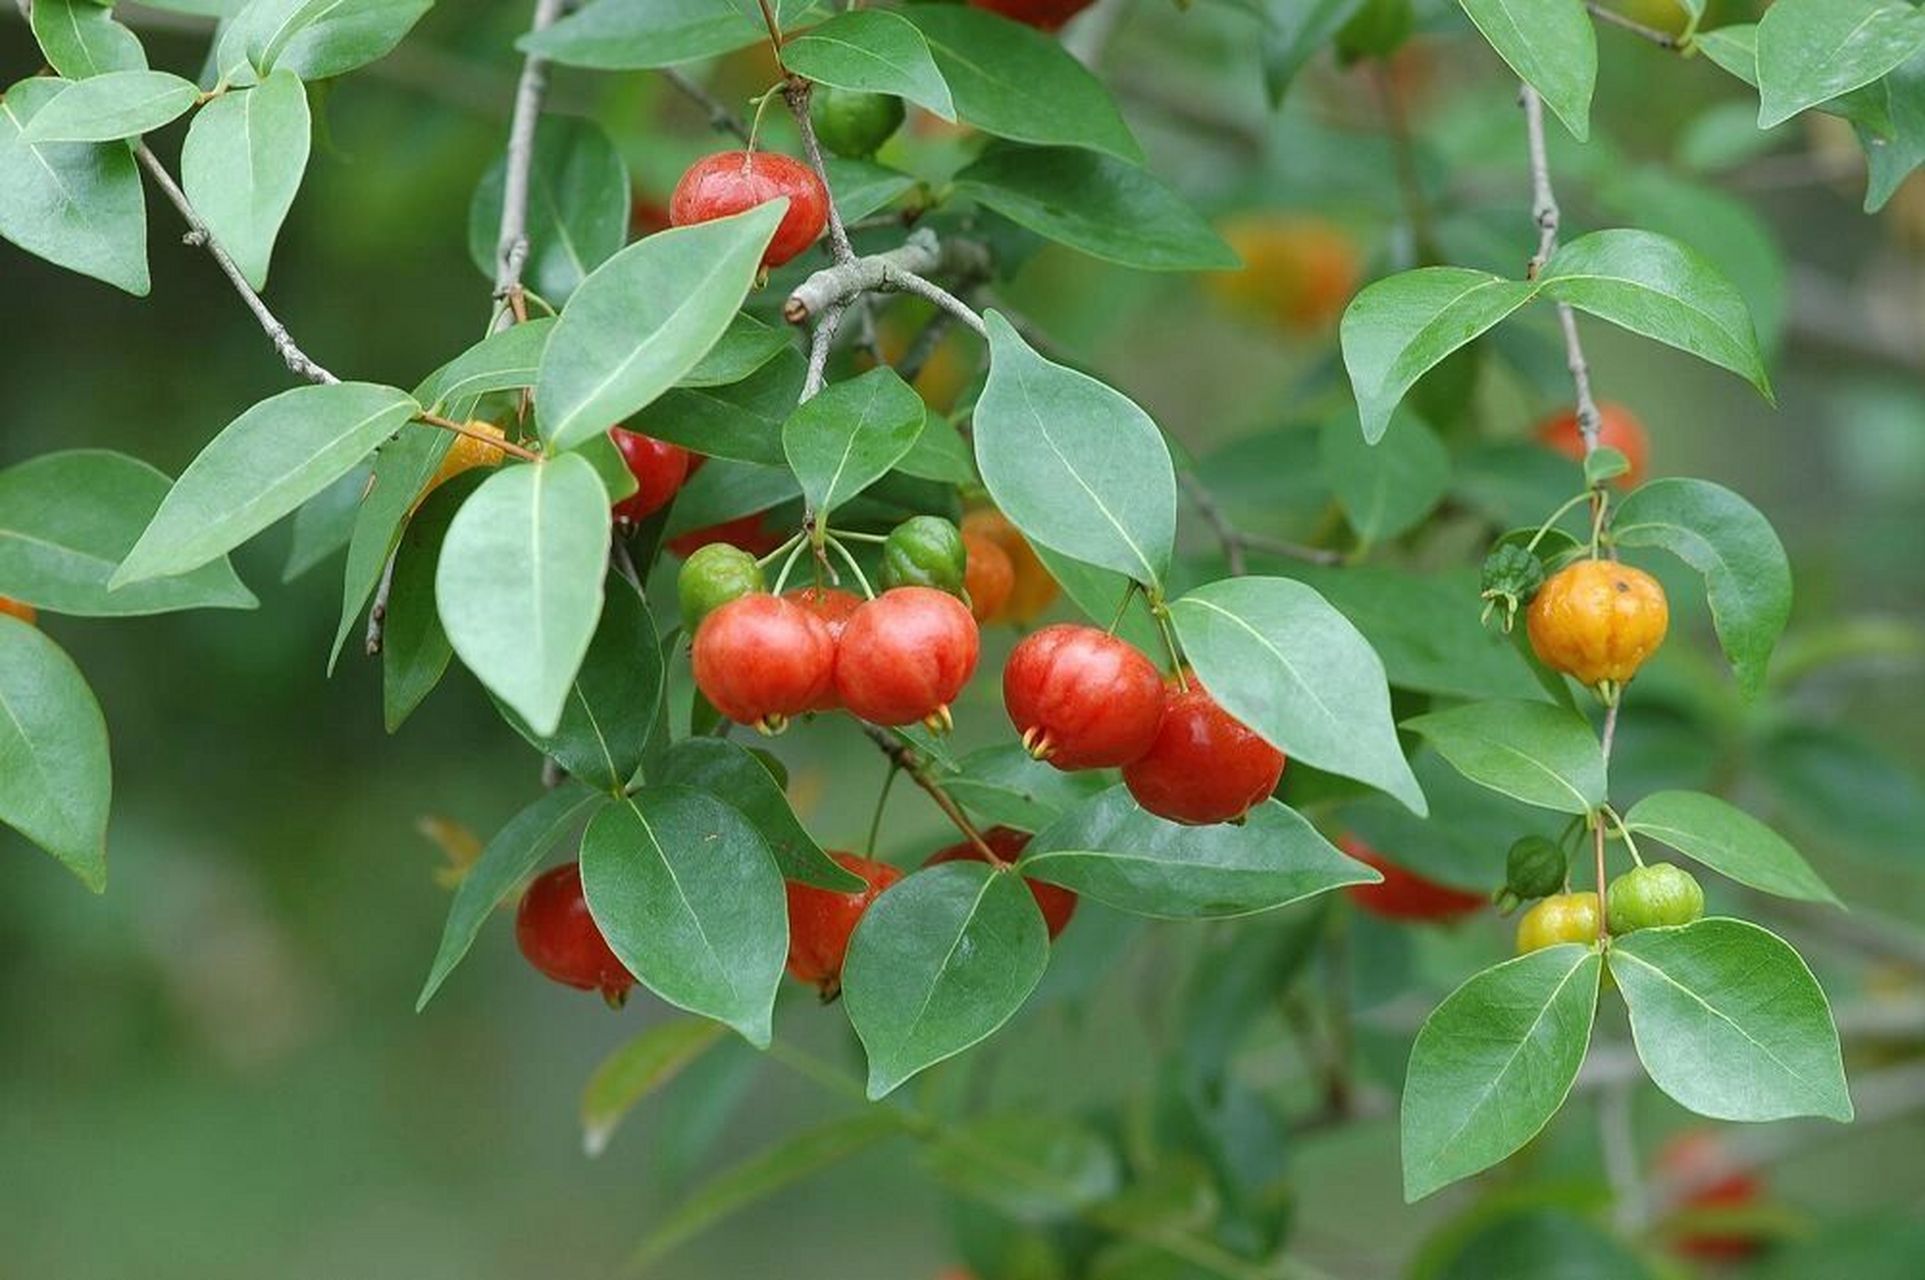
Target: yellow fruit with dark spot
1560, 918
1597, 621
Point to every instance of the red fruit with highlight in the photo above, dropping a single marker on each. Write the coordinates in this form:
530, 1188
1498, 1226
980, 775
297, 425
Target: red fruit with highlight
730, 182
659, 469
834, 606
561, 939
821, 922
761, 659
1206, 765
1082, 699
1057, 903
905, 655
1403, 894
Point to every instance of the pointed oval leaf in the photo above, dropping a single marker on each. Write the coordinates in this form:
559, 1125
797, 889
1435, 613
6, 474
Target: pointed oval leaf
1111, 850
1074, 463
242, 165
325, 523
938, 962
842, 441
688, 898
1730, 842
320, 39
630, 1074
503, 361
645, 318
401, 471
1494, 1062
1390, 486
745, 347
1097, 204
415, 651
261, 466
1729, 1021
1667, 291
729, 772
1397, 330
742, 421
510, 858
621, 35
55, 775
109, 107
1006, 786
863, 187
1551, 46
68, 519
1747, 578
79, 206
1811, 51
81, 39
875, 51
1276, 656
578, 207
519, 587
1531, 751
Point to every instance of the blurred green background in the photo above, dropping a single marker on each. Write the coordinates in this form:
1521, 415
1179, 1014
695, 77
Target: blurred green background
215, 1070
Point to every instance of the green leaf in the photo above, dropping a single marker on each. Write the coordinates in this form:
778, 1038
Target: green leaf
729, 772
111, 106
1111, 850
725, 490
1276, 656
630, 1074
742, 421
68, 519
402, 469
793, 1159
1533, 1240
685, 892
1388, 487
745, 347
631, 35
261, 466
1030, 1166
578, 206
1494, 1062
1294, 32
862, 187
78, 206
938, 962
242, 164
1730, 1022
1729, 841
842, 441
503, 361
320, 39
1892, 160
1005, 786
81, 39
510, 858
873, 50
1397, 330
615, 698
325, 523
1098, 204
1017, 83
57, 778
1075, 464
1531, 751
1657, 287
415, 651
1551, 46
644, 319
1811, 51
1747, 578
519, 587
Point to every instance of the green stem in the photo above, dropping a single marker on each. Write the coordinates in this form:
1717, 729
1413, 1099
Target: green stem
789, 564
1556, 515
868, 592
882, 802
1625, 833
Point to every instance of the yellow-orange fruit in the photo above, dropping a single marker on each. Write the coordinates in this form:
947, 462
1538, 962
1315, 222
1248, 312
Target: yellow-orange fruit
1033, 590
1299, 270
1598, 620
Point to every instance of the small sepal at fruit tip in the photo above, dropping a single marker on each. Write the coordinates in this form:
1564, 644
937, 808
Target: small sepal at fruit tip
1512, 576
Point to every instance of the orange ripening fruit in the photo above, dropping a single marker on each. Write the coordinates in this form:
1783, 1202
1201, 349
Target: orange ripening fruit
1597, 621
1618, 428
1032, 591
1299, 270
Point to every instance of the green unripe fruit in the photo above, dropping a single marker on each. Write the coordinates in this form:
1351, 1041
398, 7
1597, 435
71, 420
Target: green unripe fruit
852, 123
924, 551
713, 576
1653, 897
1535, 868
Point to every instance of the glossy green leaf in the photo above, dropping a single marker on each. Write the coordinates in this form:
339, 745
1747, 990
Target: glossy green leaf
729, 772
688, 898
509, 859
55, 775
111, 106
1276, 656
645, 318
863, 187
1098, 204
1535, 1242
726, 490
746, 346
1075, 464
325, 523
81, 39
1747, 578
578, 207
79, 206
261, 466
1494, 1062
615, 697
1397, 330
519, 587
68, 519
938, 962
1890, 161
503, 361
742, 421
874, 50
625, 35
1531, 751
242, 164
1111, 850
845, 439
401, 472
415, 651
1005, 786
1730, 1022
601, 453
1388, 487
319, 39
1664, 290
1551, 46
1729, 841
639, 1068
1811, 51
1015, 82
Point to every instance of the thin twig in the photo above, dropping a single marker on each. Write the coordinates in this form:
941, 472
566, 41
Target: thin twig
796, 92
1213, 515
821, 342
378, 611
1662, 39
298, 361
511, 243
904, 757
1544, 210
924, 345
721, 119
1264, 544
